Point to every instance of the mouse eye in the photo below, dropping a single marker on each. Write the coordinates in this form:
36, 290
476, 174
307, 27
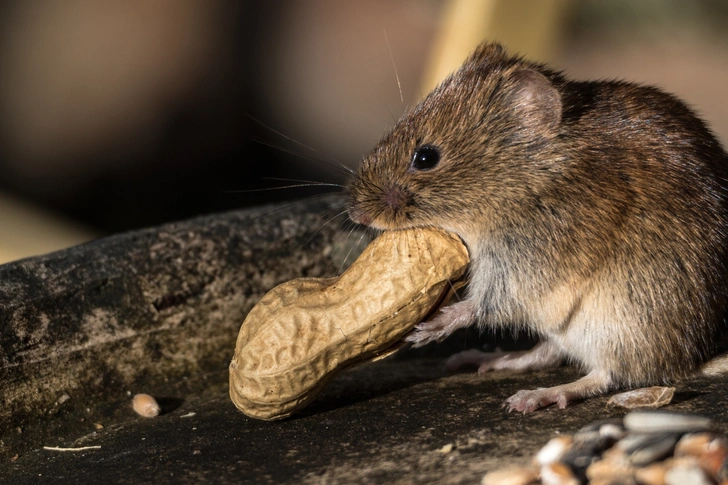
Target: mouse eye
425, 157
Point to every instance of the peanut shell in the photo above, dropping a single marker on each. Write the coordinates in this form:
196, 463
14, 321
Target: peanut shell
304, 331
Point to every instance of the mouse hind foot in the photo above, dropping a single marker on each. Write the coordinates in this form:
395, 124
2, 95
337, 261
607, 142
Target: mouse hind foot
543, 356
593, 384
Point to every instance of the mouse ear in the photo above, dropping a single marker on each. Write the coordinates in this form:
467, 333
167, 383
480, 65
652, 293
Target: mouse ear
537, 102
485, 54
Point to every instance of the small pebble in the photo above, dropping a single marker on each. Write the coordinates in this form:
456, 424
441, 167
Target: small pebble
665, 422
581, 455
612, 431
608, 470
145, 405
652, 475
601, 434
693, 444
656, 449
616, 456
683, 475
715, 457
597, 425
635, 441
557, 474
554, 450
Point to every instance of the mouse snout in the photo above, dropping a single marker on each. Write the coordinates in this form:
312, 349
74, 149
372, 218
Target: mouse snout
395, 198
383, 208
357, 215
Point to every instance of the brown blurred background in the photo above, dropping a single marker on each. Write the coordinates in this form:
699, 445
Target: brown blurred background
119, 115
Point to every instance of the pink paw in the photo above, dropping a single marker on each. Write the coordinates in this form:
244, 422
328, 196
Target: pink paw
449, 319
426, 332
529, 401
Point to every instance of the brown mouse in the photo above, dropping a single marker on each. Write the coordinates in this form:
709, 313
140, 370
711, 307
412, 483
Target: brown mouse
595, 214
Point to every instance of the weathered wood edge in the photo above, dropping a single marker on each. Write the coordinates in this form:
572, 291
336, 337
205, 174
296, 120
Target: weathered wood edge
154, 303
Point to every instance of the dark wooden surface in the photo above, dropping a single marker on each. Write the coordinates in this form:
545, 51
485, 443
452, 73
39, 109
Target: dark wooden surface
157, 311
86, 325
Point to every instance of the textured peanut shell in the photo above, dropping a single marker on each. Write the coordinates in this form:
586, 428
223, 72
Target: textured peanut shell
304, 331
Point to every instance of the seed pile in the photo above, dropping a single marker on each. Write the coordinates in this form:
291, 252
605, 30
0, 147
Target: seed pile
643, 448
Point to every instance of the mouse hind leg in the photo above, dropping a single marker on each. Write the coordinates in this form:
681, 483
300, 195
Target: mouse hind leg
592, 384
545, 355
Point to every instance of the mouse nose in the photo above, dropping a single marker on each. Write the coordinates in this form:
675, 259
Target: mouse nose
395, 198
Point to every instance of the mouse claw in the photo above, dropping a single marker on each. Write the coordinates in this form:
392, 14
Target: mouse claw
420, 336
529, 401
450, 318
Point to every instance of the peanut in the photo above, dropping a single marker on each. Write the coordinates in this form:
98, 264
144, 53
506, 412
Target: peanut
303, 332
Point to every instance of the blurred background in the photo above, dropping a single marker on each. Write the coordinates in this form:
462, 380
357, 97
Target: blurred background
121, 115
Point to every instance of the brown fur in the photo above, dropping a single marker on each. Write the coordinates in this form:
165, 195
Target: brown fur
595, 214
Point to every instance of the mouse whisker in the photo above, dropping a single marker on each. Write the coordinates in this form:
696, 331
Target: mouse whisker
341, 168
294, 186
284, 207
394, 65
311, 182
328, 160
351, 248
327, 222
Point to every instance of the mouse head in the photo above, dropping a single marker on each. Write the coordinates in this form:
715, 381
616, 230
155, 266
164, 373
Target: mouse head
467, 152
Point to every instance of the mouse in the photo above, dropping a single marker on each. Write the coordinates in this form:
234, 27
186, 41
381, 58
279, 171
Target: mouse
595, 214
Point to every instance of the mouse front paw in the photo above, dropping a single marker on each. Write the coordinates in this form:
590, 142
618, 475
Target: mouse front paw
449, 319
426, 332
